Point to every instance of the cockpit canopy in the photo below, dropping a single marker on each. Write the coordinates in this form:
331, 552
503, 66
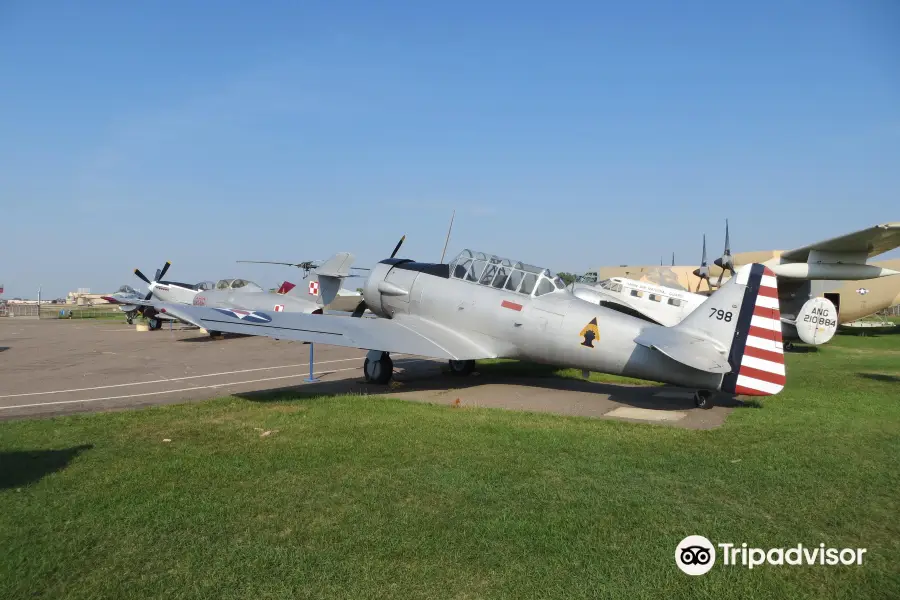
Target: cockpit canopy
235, 284
126, 289
589, 278
613, 285
502, 273
204, 286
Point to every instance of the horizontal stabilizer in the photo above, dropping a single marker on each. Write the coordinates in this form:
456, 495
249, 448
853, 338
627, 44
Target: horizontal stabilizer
336, 266
691, 349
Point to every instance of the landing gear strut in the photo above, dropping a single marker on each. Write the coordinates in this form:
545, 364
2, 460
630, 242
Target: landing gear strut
462, 367
378, 368
703, 399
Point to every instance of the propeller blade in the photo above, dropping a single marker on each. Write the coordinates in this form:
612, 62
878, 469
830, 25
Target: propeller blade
148, 296
673, 259
164, 269
360, 309
141, 276
397, 247
703, 260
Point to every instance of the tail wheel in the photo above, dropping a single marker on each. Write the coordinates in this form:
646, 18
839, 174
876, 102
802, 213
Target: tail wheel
462, 367
703, 399
154, 323
379, 370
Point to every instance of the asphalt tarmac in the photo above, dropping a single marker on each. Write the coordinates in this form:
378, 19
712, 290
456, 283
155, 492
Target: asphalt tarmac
52, 367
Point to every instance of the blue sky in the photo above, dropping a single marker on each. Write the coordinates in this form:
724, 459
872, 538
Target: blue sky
567, 135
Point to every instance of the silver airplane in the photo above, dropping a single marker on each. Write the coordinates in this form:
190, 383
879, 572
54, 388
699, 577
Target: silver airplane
323, 291
483, 306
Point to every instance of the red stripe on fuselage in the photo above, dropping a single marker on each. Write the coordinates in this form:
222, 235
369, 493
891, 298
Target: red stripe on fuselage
511, 305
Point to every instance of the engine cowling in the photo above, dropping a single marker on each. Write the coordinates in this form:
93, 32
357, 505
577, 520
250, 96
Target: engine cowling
817, 321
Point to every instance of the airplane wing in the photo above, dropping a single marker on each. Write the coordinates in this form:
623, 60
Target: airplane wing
690, 349
128, 301
868, 242
403, 334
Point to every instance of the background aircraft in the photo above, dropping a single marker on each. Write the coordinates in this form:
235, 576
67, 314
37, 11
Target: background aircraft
815, 324
484, 306
835, 269
244, 295
133, 304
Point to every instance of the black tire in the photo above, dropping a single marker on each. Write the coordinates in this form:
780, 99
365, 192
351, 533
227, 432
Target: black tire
703, 399
379, 371
461, 368
214, 333
129, 320
154, 323
789, 346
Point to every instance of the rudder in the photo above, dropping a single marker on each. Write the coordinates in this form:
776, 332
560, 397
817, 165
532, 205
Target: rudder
757, 354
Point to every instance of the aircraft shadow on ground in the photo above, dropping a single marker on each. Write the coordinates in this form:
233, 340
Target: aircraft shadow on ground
798, 349
410, 377
880, 377
4, 348
24, 467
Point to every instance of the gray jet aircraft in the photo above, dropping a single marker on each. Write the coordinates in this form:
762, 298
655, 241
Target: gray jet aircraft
483, 306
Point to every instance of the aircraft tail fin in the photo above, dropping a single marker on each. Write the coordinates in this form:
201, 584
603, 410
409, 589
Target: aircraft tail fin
325, 283
286, 286
331, 276
744, 317
336, 266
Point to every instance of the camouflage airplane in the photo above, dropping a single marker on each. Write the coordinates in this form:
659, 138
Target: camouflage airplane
483, 306
834, 269
322, 292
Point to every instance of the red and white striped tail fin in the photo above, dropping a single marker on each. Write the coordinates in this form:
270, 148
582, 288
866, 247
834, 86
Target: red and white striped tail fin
757, 354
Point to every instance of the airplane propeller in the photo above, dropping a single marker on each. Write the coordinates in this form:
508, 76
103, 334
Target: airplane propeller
703, 271
362, 306
726, 262
160, 273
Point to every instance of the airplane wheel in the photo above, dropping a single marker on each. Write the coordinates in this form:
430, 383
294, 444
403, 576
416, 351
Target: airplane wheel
129, 320
703, 399
380, 370
215, 333
153, 323
789, 346
462, 367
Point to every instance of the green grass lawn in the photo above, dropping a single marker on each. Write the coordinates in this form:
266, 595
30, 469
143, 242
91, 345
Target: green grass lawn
355, 497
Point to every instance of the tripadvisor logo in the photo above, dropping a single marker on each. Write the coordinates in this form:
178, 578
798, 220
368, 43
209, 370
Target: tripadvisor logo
696, 555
